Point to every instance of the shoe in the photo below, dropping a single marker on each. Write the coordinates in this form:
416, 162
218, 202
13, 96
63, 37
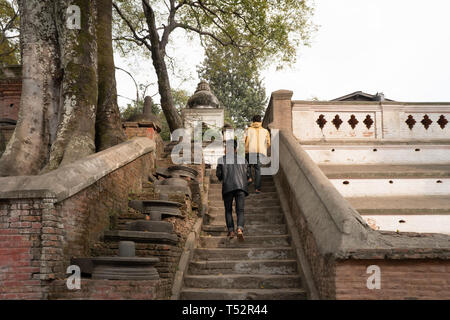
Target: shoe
240, 235
231, 235
257, 191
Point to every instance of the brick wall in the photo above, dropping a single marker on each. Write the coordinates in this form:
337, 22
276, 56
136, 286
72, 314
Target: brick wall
134, 129
113, 290
20, 249
38, 237
10, 91
400, 279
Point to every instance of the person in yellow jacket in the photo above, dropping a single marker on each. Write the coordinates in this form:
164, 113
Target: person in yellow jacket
257, 141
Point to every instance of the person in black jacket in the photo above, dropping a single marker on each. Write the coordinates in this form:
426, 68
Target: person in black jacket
235, 177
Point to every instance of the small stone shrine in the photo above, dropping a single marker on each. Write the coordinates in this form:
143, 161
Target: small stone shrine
204, 109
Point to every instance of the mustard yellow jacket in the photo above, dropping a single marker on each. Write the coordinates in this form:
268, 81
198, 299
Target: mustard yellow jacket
257, 139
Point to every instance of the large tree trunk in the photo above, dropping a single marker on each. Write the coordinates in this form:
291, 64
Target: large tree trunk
158, 55
27, 150
60, 92
108, 128
76, 131
170, 112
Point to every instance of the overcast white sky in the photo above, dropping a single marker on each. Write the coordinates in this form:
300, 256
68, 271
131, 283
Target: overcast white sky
399, 47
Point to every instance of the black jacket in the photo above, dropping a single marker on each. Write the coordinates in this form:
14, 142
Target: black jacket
234, 176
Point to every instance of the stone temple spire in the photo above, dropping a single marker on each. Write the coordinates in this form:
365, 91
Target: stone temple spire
203, 98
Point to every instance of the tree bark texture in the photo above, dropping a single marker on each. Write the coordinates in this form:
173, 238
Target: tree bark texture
27, 150
75, 138
69, 100
108, 128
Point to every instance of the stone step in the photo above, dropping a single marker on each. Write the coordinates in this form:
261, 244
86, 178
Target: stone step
216, 195
385, 171
261, 229
243, 281
255, 203
250, 241
244, 253
220, 267
265, 186
214, 210
242, 294
140, 236
219, 219
423, 205
251, 189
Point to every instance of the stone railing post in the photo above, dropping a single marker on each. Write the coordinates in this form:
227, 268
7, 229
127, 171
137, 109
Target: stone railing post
279, 112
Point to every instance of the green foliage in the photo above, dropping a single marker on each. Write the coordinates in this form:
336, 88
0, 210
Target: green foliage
270, 30
266, 30
9, 33
180, 99
234, 78
131, 111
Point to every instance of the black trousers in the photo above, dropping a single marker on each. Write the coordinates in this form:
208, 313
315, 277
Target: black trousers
239, 197
255, 157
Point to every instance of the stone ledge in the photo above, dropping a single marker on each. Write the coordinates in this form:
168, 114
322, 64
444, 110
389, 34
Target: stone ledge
72, 178
338, 229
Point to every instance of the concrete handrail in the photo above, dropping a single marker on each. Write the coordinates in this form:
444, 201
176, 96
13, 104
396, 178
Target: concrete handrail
74, 177
336, 226
338, 208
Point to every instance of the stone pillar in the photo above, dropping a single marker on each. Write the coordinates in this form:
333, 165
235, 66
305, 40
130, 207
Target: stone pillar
148, 103
279, 115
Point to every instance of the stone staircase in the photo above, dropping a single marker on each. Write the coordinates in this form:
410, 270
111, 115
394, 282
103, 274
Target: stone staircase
395, 186
261, 267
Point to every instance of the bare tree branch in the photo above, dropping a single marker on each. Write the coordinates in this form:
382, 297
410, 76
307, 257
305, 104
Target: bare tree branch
135, 83
130, 25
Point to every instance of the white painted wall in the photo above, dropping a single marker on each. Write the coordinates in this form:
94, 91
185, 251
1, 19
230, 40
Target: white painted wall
214, 118
392, 187
413, 223
384, 154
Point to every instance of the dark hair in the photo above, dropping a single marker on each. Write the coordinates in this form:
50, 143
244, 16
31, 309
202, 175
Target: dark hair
256, 118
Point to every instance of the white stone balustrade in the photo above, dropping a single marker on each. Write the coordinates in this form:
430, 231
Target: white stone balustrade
370, 121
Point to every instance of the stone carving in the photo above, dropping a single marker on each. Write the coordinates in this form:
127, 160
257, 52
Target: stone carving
321, 121
368, 121
126, 266
203, 97
410, 122
353, 121
337, 121
146, 118
426, 121
157, 208
442, 121
183, 171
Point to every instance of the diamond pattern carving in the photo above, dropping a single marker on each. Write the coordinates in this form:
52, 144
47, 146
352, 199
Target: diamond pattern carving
410, 122
321, 121
368, 121
353, 121
442, 121
337, 121
426, 121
